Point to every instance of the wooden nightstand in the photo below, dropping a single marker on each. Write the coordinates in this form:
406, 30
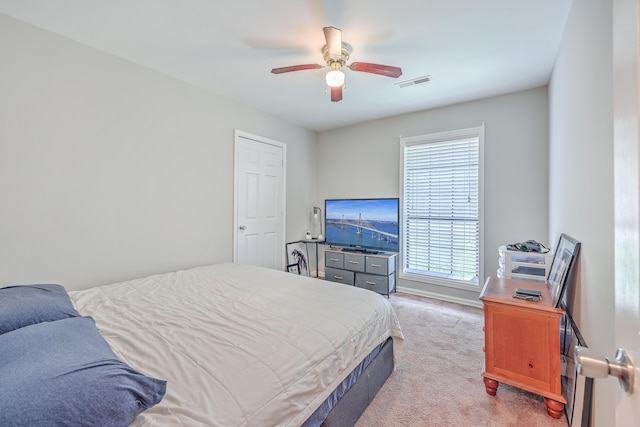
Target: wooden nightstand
522, 341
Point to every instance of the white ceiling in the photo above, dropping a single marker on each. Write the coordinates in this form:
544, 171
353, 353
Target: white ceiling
471, 48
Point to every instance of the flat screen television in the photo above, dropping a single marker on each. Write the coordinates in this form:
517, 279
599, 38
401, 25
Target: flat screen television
363, 225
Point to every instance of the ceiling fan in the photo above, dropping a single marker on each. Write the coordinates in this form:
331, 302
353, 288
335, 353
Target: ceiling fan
336, 54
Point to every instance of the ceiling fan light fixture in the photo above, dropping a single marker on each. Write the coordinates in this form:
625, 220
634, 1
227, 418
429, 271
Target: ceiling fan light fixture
335, 78
336, 55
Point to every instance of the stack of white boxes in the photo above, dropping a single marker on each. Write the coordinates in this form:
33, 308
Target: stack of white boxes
524, 265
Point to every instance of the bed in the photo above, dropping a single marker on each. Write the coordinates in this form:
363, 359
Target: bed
231, 345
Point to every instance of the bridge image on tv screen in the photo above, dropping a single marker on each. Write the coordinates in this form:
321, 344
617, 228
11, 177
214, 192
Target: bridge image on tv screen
362, 223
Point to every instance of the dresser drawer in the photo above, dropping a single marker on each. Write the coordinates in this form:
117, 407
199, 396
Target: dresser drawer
354, 262
377, 265
334, 259
379, 284
340, 276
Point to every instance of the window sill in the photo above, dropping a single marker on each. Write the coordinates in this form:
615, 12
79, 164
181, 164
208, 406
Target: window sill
440, 281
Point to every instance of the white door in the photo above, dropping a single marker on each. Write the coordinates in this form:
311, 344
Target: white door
259, 201
626, 98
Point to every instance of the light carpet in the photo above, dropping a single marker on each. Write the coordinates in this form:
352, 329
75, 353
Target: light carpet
437, 380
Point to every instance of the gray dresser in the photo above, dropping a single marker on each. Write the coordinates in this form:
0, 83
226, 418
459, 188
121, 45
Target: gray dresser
376, 272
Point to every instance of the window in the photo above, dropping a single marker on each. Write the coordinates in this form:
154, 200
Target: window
441, 205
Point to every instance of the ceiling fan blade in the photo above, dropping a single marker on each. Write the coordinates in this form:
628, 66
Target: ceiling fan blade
336, 94
333, 36
383, 70
296, 68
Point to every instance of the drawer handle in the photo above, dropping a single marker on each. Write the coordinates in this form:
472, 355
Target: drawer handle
354, 262
369, 282
334, 259
376, 265
338, 277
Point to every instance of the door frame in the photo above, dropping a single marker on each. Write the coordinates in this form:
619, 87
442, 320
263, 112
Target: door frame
237, 134
626, 160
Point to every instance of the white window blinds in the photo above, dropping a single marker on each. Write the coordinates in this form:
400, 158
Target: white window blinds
441, 205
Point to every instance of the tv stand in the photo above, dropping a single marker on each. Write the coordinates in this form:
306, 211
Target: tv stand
352, 266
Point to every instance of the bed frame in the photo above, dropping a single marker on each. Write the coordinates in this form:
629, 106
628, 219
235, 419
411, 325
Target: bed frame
353, 396
349, 409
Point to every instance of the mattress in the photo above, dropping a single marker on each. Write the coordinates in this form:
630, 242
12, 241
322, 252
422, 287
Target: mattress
239, 345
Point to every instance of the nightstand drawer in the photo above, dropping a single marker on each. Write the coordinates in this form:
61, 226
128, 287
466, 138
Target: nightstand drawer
340, 276
334, 259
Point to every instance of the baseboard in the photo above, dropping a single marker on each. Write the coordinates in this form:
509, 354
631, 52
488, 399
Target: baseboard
441, 297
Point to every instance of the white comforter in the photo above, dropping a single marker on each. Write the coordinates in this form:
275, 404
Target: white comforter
239, 345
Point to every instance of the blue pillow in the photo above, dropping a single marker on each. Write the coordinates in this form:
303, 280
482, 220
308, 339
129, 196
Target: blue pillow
64, 373
25, 305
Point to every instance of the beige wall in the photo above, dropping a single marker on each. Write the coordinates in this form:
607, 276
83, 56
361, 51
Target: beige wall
363, 161
581, 173
111, 171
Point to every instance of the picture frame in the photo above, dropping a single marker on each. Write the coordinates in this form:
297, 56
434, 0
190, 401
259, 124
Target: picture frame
297, 254
293, 268
567, 251
578, 388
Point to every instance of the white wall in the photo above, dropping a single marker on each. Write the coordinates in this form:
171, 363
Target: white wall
581, 173
111, 171
363, 161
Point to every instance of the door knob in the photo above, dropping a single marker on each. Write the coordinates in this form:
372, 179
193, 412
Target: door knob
592, 364
242, 227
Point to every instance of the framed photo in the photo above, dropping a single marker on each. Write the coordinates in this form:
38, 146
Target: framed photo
578, 388
293, 268
297, 254
561, 267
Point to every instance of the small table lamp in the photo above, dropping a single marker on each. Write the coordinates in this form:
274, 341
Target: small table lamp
317, 216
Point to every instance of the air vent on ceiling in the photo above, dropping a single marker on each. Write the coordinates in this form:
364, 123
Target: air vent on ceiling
413, 82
